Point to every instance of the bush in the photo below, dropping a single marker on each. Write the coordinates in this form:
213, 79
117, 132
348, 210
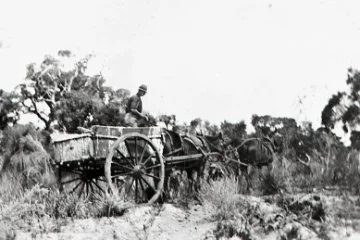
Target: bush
110, 205
41, 210
28, 212
26, 162
222, 196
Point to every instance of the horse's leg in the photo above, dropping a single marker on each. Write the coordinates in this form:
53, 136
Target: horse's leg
190, 181
248, 181
245, 174
260, 173
194, 179
238, 176
168, 191
201, 174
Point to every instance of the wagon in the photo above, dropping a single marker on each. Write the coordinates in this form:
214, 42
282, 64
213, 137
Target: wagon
125, 160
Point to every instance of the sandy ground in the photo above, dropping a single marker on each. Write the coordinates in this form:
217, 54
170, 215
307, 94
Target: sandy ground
170, 222
145, 222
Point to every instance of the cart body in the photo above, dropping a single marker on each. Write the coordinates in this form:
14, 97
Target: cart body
96, 145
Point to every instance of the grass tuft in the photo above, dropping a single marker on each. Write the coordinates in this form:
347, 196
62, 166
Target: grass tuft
222, 196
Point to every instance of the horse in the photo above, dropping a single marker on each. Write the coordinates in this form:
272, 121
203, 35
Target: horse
187, 145
252, 152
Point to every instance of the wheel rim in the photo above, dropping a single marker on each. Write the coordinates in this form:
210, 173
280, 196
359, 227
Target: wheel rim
138, 168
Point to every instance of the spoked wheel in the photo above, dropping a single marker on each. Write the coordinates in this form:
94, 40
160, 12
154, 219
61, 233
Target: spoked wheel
82, 178
134, 169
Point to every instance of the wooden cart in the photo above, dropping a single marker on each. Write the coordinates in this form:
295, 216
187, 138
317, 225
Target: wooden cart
125, 160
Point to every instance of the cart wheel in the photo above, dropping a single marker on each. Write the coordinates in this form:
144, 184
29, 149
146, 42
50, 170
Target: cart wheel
82, 178
138, 168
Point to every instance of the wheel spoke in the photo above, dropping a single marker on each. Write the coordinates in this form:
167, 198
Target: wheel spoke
148, 159
136, 160
74, 189
123, 166
97, 185
121, 154
91, 186
120, 174
87, 188
126, 159
136, 190
82, 189
128, 148
153, 176
141, 185
143, 152
74, 171
147, 183
153, 166
70, 181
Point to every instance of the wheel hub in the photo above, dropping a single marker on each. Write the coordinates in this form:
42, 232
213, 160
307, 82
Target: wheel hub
137, 171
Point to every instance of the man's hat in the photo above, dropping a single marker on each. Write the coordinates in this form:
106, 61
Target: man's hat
143, 88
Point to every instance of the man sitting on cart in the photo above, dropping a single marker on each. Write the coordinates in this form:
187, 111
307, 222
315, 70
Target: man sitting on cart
134, 116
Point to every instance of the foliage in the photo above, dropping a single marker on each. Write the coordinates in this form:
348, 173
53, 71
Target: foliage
41, 210
74, 110
212, 129
282, 127
109, 205
222, 196
59, 92
268, 125
344, 106
112, 113
26, 162
234, 130
46, 84
9, 108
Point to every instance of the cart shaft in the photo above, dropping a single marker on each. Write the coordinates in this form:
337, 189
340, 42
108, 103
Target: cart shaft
184, 158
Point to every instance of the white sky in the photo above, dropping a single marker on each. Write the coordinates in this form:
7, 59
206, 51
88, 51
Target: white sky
218, 60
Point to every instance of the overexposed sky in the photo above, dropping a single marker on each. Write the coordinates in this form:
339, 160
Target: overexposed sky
218, 60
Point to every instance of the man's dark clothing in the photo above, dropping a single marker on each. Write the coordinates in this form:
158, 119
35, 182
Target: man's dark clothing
134, 103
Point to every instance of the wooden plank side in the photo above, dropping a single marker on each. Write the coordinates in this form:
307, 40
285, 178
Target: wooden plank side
119, 131
102, 147
151, 132
73, 149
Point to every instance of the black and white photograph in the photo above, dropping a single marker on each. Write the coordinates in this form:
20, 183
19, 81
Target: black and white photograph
180, 120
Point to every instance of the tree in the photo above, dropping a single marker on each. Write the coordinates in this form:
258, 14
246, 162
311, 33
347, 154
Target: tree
45, 85
112, 112
9, 108
344, 106
212, 129
67, 96
234, 130
74, 110
268, 125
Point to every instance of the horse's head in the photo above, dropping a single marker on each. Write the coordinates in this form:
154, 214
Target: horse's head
216, 143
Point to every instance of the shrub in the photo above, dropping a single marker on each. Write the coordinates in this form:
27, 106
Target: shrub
109, 205
26, 162
222, 196
27, 212
41, 210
